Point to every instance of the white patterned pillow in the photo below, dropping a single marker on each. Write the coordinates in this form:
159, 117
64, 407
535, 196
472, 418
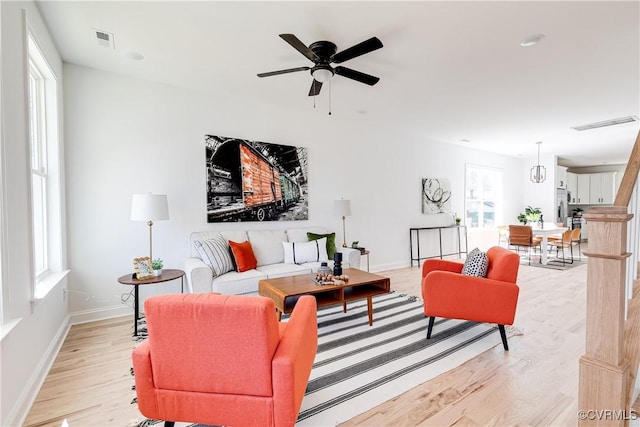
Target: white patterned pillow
477, 264
301, 252
216, 254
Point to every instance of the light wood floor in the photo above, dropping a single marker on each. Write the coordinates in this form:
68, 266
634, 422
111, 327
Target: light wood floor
535, 383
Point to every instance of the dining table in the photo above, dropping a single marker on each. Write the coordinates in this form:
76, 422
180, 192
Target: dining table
545, 231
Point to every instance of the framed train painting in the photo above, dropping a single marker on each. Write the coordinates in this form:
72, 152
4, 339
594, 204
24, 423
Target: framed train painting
255, 181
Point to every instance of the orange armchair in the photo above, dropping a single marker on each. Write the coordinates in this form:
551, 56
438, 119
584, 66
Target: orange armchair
224, 360
448, 293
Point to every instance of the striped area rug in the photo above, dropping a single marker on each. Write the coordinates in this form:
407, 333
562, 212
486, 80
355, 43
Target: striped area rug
358, 366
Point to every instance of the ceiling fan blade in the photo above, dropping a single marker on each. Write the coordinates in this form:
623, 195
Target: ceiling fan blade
360, 49
300, 47
315, 88
289, 70
357, 76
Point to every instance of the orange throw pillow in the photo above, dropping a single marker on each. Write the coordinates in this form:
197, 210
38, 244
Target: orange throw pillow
243, 255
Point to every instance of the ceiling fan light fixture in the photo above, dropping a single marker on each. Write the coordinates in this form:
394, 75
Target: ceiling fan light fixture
322, 75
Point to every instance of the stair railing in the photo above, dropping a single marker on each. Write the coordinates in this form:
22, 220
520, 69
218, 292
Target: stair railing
606, 376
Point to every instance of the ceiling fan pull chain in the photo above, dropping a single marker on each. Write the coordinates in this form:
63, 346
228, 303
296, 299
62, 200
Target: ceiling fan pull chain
314, 91
329, 97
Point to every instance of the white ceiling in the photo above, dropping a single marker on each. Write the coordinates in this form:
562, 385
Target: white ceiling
449, 71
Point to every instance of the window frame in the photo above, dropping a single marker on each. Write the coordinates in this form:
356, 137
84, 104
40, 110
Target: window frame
45, 162
497, 203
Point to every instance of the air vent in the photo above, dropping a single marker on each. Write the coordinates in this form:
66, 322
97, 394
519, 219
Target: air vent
605, 123
103, 38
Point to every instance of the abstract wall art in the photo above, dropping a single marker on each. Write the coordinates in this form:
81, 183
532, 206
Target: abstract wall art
436, 196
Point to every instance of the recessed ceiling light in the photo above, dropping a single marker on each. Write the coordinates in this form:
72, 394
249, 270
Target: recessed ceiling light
132, 54
532, 40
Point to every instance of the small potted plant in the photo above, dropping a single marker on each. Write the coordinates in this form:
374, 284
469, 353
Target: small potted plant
458, 220
157, 265
530, 216
354, 244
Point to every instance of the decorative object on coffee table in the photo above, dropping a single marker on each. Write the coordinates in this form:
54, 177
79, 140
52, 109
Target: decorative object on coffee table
343, 209
337, 264
324, 268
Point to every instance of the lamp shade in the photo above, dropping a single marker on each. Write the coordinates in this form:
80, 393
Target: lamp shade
149, 207
342, 207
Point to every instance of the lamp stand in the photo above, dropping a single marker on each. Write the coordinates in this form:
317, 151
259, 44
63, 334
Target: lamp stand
344, 233
150, 224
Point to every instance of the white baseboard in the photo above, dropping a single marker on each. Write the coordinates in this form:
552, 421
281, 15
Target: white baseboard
30, 392
388, 266
99, 314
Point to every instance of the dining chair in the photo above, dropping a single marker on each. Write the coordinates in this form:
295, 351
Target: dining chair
565, 242
521, 236
503, 234
575, 240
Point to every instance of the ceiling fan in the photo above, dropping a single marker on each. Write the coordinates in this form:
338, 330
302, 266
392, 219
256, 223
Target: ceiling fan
323, 54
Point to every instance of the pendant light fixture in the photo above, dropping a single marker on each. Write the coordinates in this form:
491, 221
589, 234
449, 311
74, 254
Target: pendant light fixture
538, 172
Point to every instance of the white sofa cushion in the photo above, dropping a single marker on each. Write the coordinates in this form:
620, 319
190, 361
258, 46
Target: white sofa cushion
301, 252
267, 246
234, 283
283, 270
236, 236
215, 253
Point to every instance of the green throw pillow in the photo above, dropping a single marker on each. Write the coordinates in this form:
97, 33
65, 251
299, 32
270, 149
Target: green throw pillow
331, 242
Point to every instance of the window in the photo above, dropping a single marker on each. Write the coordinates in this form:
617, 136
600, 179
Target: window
483, 196
46, 201
38, 147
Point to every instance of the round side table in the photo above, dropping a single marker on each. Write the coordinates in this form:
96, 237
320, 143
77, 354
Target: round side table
167, 275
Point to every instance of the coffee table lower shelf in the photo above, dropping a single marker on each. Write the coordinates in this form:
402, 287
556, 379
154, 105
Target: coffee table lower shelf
285, 291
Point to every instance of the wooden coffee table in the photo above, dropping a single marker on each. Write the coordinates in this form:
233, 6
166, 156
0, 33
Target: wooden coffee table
285, 291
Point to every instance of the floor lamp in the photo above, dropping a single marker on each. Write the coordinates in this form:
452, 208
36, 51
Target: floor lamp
343, 209
149, 207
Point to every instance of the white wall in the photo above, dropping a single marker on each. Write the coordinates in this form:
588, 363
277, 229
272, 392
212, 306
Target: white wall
31, 333
126, 136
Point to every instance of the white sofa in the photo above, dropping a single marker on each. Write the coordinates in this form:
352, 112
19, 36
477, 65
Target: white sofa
269, 252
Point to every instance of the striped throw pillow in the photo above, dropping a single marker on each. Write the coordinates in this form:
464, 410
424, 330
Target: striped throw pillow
301, 252
215, 252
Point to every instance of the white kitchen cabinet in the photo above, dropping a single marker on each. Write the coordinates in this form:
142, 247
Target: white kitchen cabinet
561, 177
602, 188
572, 186
583, 192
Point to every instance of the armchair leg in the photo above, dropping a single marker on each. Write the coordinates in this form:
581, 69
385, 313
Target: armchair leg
430, 327
169, 423
503, 335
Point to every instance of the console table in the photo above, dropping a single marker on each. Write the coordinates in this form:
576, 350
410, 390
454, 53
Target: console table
461, 232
